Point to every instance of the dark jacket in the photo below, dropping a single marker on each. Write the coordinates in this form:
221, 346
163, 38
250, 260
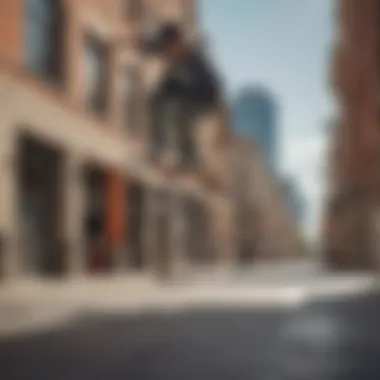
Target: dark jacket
194, 79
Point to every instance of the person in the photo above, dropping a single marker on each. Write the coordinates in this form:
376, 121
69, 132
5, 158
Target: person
188, 89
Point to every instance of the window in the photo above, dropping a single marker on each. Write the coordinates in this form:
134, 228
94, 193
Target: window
149, 27
45, 38
131, 99
150, 22
132, 9
96, 75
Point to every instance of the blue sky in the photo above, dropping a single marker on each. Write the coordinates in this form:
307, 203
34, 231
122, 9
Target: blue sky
284, 45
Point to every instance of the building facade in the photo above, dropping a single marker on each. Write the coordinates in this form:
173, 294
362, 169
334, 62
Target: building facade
295, 200
255, 116
78, 195
351, 239
266, 229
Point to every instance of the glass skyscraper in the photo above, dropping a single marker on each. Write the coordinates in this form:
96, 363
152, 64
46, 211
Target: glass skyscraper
255, 116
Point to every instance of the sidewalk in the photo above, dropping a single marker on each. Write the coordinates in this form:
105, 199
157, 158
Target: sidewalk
28, 306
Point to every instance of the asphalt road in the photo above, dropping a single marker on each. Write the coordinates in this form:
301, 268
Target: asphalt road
201, 345
324, 341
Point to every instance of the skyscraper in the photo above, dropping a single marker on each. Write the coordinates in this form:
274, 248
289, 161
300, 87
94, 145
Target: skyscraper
255, 116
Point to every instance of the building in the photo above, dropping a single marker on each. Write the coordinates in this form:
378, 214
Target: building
294, 199
255, 116
351, 240
266, 229
78, 195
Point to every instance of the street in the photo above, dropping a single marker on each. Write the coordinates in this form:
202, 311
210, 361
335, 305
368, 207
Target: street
325, 340
199, 345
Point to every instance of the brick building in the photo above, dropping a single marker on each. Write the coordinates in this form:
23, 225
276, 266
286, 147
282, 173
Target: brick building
77, 193
350, 236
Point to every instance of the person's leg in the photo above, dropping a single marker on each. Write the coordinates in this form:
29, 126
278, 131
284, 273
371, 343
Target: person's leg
186, 133
157, 138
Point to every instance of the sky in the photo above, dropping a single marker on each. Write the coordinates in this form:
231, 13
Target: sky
284, 45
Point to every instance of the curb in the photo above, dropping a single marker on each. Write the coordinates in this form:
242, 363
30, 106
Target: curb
38, 323
173, 300
180, 302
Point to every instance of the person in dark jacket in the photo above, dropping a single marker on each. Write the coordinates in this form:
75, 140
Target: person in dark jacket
189, 88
